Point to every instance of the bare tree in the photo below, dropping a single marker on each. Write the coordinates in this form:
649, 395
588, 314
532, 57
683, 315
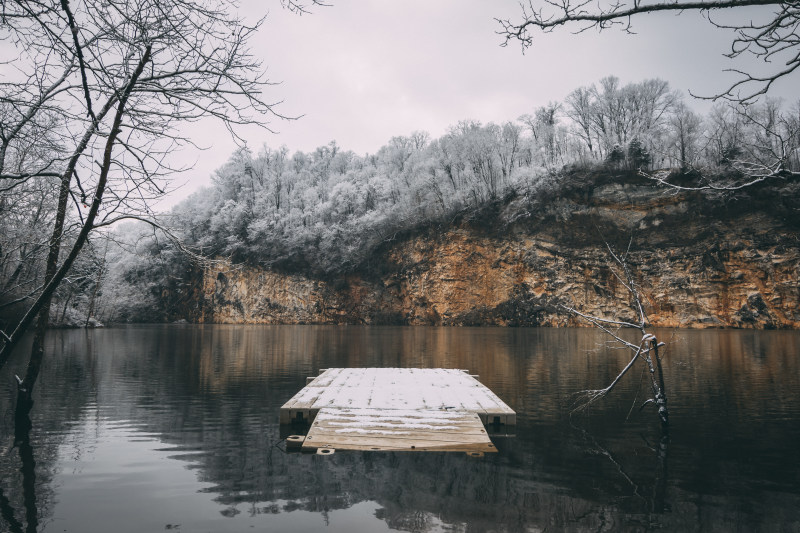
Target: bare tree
579, 108
686, 129
645, 351
773, 39
100, 90
748, 144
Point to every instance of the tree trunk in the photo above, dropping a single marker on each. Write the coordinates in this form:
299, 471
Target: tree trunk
42, 303
659, 388
93, 299
22, 441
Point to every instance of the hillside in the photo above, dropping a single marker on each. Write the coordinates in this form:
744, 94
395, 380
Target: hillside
702, 260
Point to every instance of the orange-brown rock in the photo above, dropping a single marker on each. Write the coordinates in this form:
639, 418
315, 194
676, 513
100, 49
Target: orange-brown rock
733, 267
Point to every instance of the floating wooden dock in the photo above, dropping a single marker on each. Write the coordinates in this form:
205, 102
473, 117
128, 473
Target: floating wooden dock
395, 409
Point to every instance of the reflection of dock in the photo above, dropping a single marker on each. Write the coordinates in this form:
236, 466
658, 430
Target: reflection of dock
396, 409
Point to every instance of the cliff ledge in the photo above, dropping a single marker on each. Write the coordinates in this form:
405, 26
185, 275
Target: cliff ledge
701, 261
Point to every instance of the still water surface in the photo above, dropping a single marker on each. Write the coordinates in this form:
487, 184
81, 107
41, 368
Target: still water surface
158, 428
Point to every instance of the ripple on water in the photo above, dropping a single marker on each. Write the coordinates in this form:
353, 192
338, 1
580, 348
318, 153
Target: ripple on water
146, 427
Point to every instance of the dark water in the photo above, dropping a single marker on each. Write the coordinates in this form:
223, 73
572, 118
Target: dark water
175, 428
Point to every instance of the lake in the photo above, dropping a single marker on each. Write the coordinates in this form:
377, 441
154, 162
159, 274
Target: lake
175, 427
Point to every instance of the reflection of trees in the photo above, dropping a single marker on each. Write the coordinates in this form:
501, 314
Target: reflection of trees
213, 393
28, 460
22, 441
16, 518
243, 374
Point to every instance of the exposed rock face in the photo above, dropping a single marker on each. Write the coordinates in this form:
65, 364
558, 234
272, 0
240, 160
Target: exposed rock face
699, 263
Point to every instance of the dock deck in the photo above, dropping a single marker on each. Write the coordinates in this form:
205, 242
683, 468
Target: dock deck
397, 409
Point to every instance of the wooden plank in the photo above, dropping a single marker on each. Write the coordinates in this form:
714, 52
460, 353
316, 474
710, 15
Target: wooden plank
325, 377
397, 388
322, 436
412, 430
387, 444
412, 446
303, 402
447, 421
494, 409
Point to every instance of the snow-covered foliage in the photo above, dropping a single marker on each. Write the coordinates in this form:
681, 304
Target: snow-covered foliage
327, 211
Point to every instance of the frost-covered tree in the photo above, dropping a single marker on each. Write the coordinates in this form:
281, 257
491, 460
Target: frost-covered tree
326, 211
685, 134
97, 91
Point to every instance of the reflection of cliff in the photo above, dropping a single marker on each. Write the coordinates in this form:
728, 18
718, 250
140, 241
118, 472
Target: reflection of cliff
703, 262
211, 394
215, 391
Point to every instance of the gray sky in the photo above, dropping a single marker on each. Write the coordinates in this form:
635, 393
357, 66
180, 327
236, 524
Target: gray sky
361, 72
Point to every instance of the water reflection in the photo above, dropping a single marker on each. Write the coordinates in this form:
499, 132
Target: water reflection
175, 427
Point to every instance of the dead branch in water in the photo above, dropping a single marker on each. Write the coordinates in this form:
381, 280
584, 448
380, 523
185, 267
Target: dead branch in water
646, 351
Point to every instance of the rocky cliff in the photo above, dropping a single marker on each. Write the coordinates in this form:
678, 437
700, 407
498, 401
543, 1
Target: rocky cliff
701, 261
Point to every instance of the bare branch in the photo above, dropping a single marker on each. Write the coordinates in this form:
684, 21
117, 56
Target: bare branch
196, 257
44, 298
646, 350
26, 175
588, 397
772, 41
761, 144
79, 54
300, 7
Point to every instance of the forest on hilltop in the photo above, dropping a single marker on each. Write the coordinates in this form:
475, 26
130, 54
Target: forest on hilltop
325, 212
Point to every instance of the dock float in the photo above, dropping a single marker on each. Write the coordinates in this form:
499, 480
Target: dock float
395, 409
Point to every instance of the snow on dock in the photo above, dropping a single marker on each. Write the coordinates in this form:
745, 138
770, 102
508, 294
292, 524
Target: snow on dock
396, 409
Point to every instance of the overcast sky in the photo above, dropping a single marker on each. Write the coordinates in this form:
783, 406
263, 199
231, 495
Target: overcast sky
360, 72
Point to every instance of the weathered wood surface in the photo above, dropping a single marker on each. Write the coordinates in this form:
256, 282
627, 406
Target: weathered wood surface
397, 409
397, 430
397, 388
